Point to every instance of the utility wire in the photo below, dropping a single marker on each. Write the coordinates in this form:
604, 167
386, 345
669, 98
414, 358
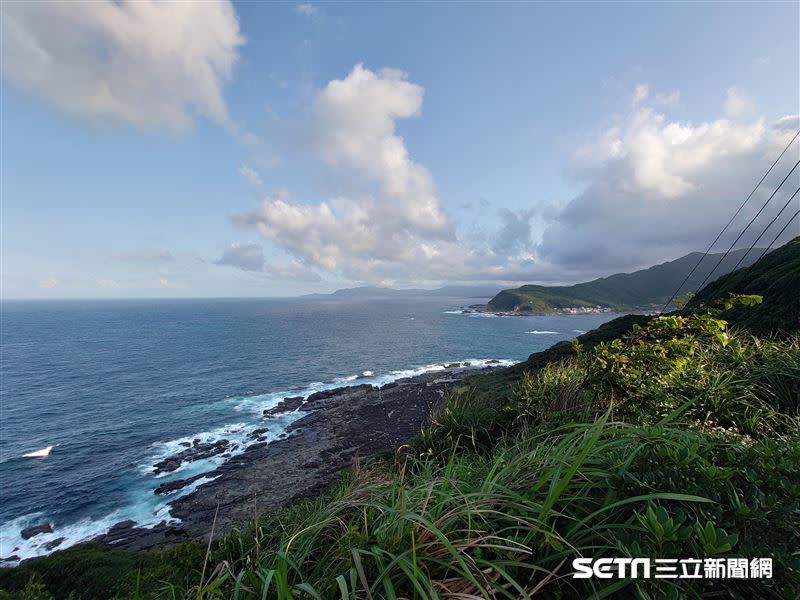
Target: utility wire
780, 233
753, 245
736, 214
719, 262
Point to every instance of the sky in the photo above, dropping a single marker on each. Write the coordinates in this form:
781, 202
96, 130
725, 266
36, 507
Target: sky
216, 148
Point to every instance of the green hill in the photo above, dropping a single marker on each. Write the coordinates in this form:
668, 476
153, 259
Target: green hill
777, 278
661, 437
645, 438
645, 289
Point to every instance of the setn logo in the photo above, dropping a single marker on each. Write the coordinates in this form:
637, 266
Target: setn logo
606, 568
673, 568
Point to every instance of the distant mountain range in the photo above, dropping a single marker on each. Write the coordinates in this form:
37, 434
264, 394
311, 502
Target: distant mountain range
641, 290
378, 293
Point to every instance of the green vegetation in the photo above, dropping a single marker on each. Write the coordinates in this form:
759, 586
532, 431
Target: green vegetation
645, 289
776, 277
675, 436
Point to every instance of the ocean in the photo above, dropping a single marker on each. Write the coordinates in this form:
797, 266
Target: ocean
118, 385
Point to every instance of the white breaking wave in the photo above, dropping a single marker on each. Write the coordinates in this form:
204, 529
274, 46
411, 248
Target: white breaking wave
368, 377
535, 332
471, 313
43, 453
148, 510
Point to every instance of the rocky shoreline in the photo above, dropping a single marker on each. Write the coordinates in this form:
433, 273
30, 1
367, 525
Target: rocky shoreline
339, 425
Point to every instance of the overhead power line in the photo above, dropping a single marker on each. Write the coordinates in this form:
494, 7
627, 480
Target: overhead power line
753, 245
728, 224
780, 233
760, 210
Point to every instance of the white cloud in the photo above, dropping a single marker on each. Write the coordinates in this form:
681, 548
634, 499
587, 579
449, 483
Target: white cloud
395, 219
248, 257
658, 188
640, 93
294, 270
671, 99
307, 9
737, 103
251, 175
788, 123
662, 157
355, 121
163, 282
514, 236
151, 64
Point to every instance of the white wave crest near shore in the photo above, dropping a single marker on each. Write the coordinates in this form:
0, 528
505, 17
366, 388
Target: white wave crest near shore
148, 510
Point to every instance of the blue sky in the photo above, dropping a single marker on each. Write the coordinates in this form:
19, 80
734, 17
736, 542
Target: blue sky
259, 149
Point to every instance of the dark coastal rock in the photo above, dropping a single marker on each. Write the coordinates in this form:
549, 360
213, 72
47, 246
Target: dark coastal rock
388, 386
323, 395
176, 532
12, 558
118, 532
54, 544
198, 451
342, 391
288, 404
452, 366
257, 433
121, 526
29, 532
340, 426
126, 534
171, 486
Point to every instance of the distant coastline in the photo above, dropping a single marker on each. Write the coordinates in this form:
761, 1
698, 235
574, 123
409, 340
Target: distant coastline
484, 309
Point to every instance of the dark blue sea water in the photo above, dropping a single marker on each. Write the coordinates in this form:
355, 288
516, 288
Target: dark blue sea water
116, 385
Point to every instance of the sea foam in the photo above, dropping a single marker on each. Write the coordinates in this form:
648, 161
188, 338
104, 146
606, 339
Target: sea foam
148, 510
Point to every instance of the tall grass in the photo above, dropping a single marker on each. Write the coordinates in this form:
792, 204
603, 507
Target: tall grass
504, 526
680, 441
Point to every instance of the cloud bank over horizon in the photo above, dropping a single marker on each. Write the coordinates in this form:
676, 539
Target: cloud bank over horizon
657, 189
654, 189
218, 148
